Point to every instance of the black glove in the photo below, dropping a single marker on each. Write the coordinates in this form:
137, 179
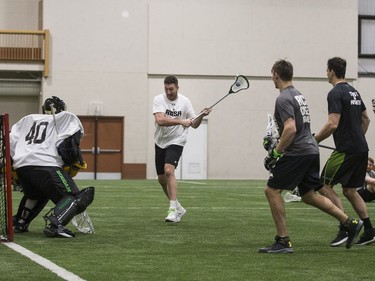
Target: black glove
271, 160
269, 143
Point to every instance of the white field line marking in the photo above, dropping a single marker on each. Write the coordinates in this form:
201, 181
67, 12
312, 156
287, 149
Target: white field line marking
193, 182
61, 272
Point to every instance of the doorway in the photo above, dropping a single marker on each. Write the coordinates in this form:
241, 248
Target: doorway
102, 147
193, 162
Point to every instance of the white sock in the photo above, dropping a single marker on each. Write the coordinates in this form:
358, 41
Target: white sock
173, 204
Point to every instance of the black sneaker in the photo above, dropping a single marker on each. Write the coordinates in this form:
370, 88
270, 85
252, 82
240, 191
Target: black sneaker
281, 245
20, 227
57, 231
341, 238
366, 238
354, 227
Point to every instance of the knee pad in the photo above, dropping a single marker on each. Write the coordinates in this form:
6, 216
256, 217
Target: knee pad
85, 198
29, 209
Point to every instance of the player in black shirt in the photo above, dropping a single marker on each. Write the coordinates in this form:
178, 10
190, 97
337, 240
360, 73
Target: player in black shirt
348, 122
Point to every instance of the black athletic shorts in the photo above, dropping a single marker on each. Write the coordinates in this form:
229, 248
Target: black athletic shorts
348, 169
292, 171
46, 182
170, 155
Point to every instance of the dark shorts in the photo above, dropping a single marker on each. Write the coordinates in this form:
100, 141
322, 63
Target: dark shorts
46, 182
348, 169
170, 155
293, 171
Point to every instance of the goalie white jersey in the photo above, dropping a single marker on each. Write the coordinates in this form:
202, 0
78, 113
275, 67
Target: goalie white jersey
35, 138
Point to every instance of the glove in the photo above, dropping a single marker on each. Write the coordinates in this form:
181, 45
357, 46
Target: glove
269, 143
75, 168
271, 160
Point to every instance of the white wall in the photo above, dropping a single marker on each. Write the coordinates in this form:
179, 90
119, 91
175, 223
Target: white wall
19, 14
227, 37
99, 55
115, 53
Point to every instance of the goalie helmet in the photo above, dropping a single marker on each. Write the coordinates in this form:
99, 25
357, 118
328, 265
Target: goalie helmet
53, 102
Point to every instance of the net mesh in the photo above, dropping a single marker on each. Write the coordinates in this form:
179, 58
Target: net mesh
241, 83
6, 228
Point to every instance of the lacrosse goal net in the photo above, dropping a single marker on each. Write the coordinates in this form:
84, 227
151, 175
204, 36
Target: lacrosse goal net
6, 226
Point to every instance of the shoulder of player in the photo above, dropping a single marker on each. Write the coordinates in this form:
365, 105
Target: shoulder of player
31, 118
183, 98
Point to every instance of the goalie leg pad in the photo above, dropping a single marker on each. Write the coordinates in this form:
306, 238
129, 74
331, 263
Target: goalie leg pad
28, 210
69, 206
85, 198
63, 212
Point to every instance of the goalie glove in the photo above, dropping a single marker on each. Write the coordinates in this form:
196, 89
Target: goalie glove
271, 160
75, 168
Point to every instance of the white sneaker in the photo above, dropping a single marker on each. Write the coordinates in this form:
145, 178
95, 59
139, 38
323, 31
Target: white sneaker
175, 214
181, 211
172, 215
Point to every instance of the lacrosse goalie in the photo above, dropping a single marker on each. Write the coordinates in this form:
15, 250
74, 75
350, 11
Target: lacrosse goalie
41, 145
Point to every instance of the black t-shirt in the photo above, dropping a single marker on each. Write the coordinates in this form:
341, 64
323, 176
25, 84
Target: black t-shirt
346, 101
291, 104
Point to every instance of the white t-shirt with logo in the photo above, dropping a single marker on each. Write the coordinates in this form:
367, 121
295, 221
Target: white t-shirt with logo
181, 108
35, 138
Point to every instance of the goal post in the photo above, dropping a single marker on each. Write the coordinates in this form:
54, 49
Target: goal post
6, 225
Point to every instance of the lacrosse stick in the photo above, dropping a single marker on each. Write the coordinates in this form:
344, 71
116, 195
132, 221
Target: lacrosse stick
53, 109
325, 146
271, 132
241, 83
83, 223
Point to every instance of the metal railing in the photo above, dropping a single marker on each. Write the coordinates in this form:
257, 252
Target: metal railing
25, 46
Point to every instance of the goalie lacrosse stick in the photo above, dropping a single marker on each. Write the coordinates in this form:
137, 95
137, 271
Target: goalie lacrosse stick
54, 117
83, 223
241, 83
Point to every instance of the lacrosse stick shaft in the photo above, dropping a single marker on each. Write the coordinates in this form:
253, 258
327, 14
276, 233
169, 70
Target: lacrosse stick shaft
200, 114
327, 147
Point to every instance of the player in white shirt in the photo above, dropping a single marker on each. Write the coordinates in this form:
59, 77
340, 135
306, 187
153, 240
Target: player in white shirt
173, 114
40, 146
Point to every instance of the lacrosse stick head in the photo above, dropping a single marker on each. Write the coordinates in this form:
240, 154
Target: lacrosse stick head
271, 130
53, 105
241, 83
83, 223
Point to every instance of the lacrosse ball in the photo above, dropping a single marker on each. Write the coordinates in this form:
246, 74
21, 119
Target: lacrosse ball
238, 83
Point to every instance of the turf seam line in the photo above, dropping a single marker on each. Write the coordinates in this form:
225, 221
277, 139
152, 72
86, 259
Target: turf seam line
61, 272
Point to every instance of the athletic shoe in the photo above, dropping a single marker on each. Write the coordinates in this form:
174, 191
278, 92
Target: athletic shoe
354, 227
341, 238
281, 245
181, 211
59, 231
172, 215
19, 227
175, 214
366, 238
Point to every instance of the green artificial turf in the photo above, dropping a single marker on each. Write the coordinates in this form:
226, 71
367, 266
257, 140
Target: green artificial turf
218, 238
